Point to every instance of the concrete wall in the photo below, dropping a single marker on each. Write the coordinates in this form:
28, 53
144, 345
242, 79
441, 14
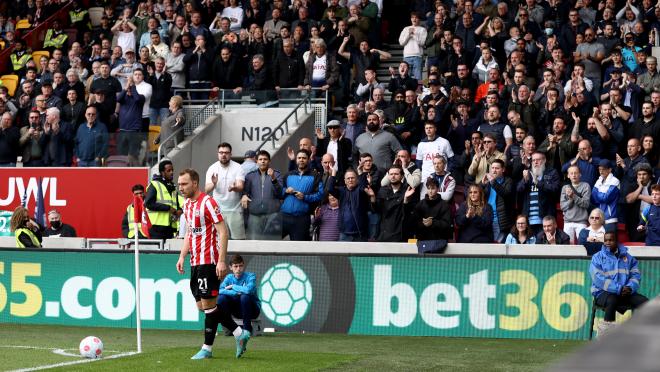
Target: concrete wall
199, 149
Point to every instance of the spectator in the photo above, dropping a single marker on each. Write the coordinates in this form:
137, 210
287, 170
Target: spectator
605, 194
474, 218
539, 186
57, 228
249, 162
431, 146
575, 203
392, 203
558, 147
131, 105
261, 199
590, 53
335, 144
321, 70
402, 81
91, 143
353, 207
173, 123
9, 141
500, 195
125, 70
616, 280
124, 31
109, 84
650, 80
175, 66
412, 175
326, 219
484, 157
638, 198
521, 233
33, 140
446, 183
228, 73
273, 26
260, 81
380, 144
26, 231
647, 124
592, 236
288, 70
359, 25
226, 181
550, 234
432, 215
313, 162
498, 130
146, 90
625, 168
301, 188
412, 39
58, 139
586, 163
161, 85
198, 65
649, 222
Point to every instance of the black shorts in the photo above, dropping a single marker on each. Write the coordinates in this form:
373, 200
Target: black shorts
204, 282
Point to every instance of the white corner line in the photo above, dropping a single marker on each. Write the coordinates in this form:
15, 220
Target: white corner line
63, 364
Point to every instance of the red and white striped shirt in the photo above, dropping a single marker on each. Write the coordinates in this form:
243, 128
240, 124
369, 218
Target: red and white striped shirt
201, 216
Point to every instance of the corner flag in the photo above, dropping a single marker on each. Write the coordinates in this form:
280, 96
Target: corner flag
140, 216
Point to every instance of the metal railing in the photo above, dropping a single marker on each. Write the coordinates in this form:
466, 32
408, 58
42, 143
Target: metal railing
285, 122
250, 97
190, 124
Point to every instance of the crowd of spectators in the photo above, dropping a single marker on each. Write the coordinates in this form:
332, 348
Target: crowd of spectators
525, 117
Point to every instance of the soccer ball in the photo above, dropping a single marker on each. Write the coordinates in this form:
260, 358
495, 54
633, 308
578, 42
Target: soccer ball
286, 294
91, 347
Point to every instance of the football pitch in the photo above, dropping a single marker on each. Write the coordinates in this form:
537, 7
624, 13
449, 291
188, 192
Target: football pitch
27, 346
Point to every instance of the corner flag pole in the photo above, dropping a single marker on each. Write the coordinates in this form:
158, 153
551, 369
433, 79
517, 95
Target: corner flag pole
138, 210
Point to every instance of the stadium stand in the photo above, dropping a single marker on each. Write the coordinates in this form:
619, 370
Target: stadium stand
549, 87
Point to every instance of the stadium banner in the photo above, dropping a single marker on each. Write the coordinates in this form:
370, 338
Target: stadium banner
92, 200
421, 296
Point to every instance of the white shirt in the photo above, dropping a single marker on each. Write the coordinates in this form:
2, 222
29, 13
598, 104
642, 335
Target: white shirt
146, 90
332, 150
426, 150
413, 46
227, 176
320, 65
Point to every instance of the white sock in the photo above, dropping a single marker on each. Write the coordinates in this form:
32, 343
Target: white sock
207, 347
238, 331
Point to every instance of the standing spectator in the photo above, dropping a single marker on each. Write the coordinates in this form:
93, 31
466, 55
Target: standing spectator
500, 195
550, 234
484, 157
558, 147
321, 69
131, 105
474, 218
335, 144
228, 73
590, 53
301, 188
446, 183
9, 141
430, 147
650, 80
74, 110
392, 204
646, 124
226, 181
58, 139
586, 163
288, 70
521, 233
432, 215
498, 130
175, 66
412, 175
605, 194
649, 221
161, 85
353, 207
616, 280
261, 199
575, 202
380, 144
326, 218
109, 84
638, 198
539, 187
198, 65
593, 235
412, 39
33, 140
125, 70
402, 80
625, 168
146, 90
91, 143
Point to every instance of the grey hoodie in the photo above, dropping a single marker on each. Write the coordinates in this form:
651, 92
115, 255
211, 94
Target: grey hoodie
576, 209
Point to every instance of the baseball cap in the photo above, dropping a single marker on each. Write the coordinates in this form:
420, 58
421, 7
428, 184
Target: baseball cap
250, 154
605, 163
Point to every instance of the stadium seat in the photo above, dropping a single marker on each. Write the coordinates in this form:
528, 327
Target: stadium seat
154, 131
95, 15
11, 82
621, 309
23, 24
37, 54
117, 161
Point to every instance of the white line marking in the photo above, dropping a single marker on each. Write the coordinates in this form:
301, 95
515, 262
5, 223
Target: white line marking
73, 362
64, 353
46, 348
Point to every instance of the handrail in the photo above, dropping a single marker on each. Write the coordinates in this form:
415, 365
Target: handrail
189, 122
285, 122
239, 97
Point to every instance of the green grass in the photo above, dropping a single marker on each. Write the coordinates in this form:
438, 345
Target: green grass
171, 350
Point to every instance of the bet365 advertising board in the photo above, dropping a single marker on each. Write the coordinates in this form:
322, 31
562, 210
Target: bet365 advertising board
444, 296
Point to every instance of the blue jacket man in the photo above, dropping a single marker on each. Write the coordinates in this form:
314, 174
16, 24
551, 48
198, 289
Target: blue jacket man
605, 194
91, 143
615, 279
300, 189
130, 110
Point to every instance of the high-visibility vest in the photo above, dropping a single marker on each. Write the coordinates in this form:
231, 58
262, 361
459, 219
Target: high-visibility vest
131, 229
29, 232
175, 221
77, 16
158, 218
19, 62
56, 42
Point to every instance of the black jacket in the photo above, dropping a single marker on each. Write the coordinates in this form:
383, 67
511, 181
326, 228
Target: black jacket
199, 65
477, 229
344, 152
227, 75
505, 202
392, 212
288, 71
440, 226
160, 98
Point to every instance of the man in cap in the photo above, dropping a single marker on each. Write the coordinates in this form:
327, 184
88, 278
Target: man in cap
250, 162
335, 144
605, 194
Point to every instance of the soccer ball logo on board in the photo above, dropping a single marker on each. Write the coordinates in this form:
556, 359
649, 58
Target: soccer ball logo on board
286, 294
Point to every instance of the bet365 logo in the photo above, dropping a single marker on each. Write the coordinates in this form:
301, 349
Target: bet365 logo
286, 294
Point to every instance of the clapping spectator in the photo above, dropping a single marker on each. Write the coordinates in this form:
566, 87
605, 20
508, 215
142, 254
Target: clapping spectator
475, 218
326, 219
432, 215
500, 194
605, 194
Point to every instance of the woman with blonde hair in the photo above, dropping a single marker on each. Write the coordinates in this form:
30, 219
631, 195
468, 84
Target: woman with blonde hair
175, 121
593, 236
26, 231
475, 218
